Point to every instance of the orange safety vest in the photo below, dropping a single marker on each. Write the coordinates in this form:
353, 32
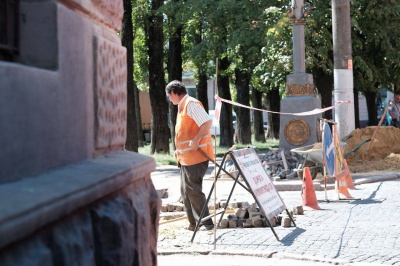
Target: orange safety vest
185, 130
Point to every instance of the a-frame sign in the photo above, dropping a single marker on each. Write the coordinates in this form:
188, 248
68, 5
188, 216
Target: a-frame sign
258, 183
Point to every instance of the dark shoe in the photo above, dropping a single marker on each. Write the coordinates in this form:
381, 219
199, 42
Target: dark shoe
202, 227
208, 227
191, 227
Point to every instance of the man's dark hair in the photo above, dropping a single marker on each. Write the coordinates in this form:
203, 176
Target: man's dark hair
176, 87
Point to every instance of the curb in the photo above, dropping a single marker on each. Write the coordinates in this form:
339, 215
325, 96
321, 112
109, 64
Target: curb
267, 255
373, 179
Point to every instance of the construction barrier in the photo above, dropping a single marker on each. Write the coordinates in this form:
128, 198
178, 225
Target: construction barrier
349, 180
341, 187
308, 192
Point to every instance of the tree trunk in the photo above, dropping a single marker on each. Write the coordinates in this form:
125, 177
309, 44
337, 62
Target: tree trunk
174, 73
202, 95
201, 88
324, 84
273, 103
243, 127
356, 109
139, 128
226, 121
158, 100
370, 97
127, 41
258, 123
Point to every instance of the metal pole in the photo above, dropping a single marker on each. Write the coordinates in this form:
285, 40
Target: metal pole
215, 166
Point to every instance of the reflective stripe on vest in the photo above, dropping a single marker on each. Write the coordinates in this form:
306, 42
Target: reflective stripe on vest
188, 141
185, 130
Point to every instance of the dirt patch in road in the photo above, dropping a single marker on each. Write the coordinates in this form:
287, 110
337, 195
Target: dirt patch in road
173, 229
380, 154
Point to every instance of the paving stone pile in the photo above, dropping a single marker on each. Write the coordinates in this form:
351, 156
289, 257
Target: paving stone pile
238, 214
248, 216
279, 164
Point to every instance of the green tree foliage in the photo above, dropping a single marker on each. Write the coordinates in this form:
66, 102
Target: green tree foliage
140, 10
376, 51
276, 61
270, 74
205, 40
376, 33
253, 39
375, 38
244, 43
319, 50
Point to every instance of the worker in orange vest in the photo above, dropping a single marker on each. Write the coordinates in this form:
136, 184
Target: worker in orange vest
192, 132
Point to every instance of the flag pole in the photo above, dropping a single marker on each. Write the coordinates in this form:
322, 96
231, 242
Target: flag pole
215, 161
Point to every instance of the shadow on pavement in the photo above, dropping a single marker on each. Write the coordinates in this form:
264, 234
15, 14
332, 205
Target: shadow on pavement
289, 238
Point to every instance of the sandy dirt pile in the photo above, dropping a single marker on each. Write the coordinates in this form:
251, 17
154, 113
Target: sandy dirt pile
174, 229
382, 153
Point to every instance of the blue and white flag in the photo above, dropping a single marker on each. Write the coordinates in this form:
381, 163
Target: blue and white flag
329, 149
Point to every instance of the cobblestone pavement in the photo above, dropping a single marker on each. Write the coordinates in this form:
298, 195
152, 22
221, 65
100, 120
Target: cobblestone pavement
364, 230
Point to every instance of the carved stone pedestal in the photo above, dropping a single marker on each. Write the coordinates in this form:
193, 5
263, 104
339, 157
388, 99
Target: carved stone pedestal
297, 131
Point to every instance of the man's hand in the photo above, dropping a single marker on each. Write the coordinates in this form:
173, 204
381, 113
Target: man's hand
194, 145
203, 130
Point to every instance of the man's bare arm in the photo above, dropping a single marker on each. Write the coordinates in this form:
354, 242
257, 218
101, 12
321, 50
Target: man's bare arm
203, 130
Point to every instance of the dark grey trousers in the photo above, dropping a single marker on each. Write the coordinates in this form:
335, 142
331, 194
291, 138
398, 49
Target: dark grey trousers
192, 191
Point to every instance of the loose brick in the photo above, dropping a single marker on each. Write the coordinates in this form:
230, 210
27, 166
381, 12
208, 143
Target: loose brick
232, 217
233, 223
251, 209
256, 213
240, 222
245, 205
272, 222
170, 207
286, 222
298, 210
224, 223
241, 213
256, 221
179, 207
247, 225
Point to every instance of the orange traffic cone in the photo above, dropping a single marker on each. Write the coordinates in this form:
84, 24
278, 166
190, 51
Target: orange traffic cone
342, 190
308, 192
349, 180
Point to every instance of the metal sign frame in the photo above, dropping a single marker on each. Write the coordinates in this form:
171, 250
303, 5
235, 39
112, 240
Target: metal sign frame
248, 187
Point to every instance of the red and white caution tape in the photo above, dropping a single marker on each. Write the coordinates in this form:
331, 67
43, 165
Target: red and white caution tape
312, 112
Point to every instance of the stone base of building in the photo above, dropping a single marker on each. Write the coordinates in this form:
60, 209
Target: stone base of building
103, 211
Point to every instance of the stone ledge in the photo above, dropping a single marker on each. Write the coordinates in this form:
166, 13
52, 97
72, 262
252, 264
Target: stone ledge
30, 204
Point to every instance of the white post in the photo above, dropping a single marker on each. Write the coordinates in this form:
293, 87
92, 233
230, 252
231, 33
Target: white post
343, 67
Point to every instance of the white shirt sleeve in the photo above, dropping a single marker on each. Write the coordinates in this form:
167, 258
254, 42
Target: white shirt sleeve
197, 113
